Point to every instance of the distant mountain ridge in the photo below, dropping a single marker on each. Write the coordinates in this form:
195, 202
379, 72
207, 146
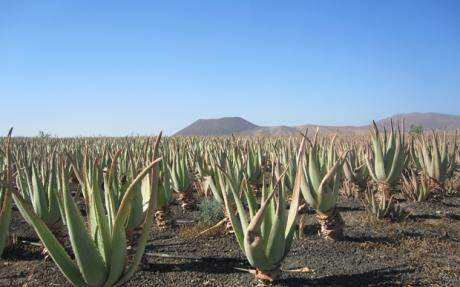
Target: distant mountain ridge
426, 120
238, 125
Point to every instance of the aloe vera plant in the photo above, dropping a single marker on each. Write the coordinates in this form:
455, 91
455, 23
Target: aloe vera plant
6, 201
38, 184
380, 205
215, 187
204, 170
415, 188
101, 249
225, 178
164, 198
181, 181
116, 180
289, 162
355, 172
320, 188
389, 156
435, 160
264, 235
253, 164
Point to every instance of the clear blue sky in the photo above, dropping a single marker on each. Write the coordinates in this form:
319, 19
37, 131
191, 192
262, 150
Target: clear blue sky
135, 67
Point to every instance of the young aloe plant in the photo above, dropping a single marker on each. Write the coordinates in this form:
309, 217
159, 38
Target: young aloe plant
415, 188
181, 180
164, 198
355, 173
380, 205
202, 164
38, 184
435, 160
215, 176
320, 188
389, 157
264, 235
253, 166
6, 200
116, 181
290, 162
100, 251
226, 173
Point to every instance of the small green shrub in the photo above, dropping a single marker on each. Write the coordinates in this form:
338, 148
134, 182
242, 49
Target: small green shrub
211, 212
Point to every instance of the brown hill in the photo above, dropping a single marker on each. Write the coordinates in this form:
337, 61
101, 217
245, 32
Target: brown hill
217, 127
237, 125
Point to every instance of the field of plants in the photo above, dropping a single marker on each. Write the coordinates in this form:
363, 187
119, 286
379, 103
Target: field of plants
305, 210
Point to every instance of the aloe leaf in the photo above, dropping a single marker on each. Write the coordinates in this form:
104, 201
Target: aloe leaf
397, 162
87, 255
6, 198
250, 199
217, 194
378, 154
118, 254
314, 172
147, 225
136, 216
293, 210
236, 223
370, 168
254, 246
54, 212
55, 249
255, 253
267, 221
309, 193
109, 203
39, 198
239, 205
436, 158
102, 223
332, 172
276, 243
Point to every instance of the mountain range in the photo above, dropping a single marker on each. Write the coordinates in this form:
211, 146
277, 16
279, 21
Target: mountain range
240, 126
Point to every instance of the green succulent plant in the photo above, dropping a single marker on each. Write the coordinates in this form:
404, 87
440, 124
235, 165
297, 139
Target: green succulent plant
355, 172
38, 184
433, 157
265, 234
320, 188
101, 248
380, 205
181, 181
253, 164
415, 188
6, 200
164, 198
389, 157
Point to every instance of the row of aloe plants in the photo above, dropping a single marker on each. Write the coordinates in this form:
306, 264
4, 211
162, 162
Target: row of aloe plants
124, 181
